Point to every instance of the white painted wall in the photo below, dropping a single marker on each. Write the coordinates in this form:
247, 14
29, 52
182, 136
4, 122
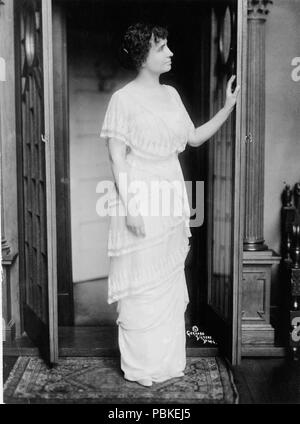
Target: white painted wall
89, 164
282, 160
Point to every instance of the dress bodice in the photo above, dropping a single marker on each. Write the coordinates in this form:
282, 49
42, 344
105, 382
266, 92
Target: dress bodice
150, 131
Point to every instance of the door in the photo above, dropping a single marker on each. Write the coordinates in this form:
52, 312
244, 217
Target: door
225, 247
36, 174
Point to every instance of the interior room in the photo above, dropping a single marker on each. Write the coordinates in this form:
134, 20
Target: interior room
62, 66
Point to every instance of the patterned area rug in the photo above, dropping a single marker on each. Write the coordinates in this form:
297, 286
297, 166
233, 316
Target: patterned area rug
100, 380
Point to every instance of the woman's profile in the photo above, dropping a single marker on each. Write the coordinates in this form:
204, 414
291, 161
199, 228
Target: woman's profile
146, 126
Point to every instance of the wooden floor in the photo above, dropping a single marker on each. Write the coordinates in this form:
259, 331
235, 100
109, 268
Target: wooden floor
259, 381
268, 381
94, 341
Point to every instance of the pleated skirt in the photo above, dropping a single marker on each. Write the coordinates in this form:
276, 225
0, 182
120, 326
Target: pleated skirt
151, 334
147, 279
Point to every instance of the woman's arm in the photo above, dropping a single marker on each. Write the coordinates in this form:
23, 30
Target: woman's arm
207, 130
120, 169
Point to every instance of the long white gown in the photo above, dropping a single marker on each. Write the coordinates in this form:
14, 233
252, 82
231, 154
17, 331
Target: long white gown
146, 275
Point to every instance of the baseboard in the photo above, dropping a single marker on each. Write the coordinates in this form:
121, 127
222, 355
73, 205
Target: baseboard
264, 351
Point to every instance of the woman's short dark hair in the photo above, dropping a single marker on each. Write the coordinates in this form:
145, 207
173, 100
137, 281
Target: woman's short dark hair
136, 43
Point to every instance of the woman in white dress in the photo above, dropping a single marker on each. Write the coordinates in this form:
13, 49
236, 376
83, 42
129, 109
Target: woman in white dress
146, 126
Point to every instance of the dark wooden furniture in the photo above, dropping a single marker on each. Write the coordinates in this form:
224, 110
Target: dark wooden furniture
258, 333
291, 262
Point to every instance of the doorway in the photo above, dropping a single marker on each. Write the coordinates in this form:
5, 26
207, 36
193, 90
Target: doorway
91, 36
87, 70
204, 36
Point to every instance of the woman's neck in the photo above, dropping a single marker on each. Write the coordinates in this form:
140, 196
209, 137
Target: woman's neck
147, 80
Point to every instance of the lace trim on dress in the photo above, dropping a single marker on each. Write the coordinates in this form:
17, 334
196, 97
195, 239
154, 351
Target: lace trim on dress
173, 141
114, 134
116, 120
141, 142
119, 122
120, 243
132, 282
188, 122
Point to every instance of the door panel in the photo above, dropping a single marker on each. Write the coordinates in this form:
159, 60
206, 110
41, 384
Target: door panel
225, 180
33, 26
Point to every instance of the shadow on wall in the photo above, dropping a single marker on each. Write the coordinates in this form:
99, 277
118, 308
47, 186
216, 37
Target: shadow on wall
90, 303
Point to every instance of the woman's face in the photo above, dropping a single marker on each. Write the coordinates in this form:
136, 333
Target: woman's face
159, 57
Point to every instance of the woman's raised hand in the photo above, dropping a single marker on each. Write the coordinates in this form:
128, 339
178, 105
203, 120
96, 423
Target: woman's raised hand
231, 97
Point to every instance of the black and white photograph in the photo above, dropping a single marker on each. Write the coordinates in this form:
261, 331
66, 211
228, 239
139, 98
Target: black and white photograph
150, 205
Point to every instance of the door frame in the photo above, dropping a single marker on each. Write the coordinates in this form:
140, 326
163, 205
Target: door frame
221, 328
49, 137
45, 334
62, 161
239, 204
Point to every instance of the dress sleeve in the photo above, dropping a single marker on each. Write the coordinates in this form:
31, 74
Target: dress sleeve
116, 120
189, 123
